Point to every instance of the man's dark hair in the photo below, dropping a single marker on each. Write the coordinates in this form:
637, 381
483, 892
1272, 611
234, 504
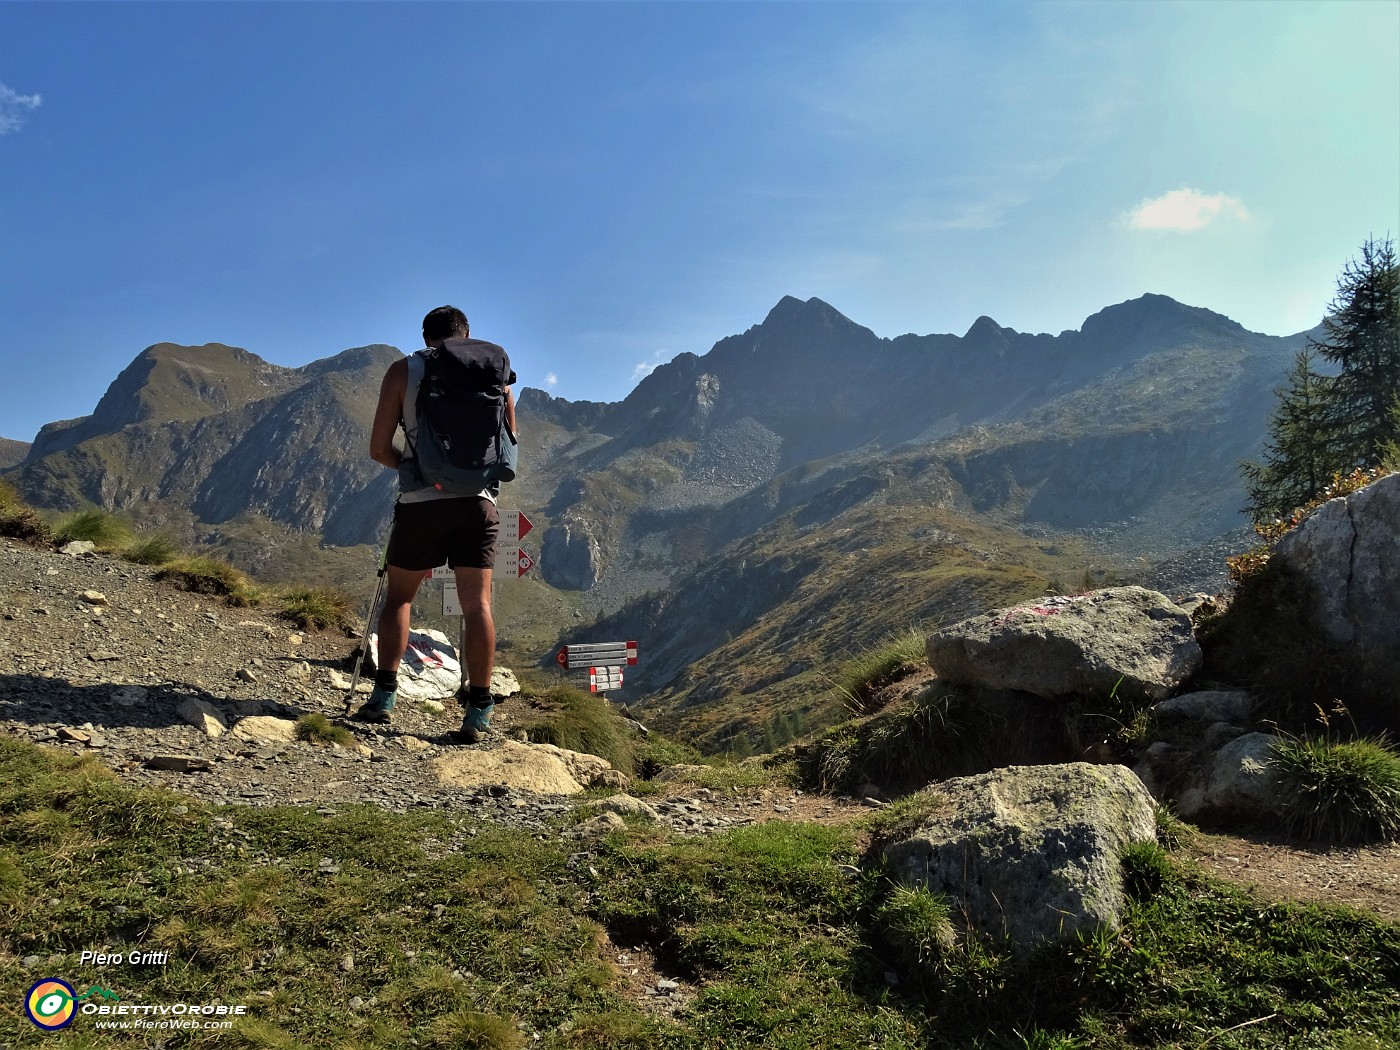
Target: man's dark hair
446, 322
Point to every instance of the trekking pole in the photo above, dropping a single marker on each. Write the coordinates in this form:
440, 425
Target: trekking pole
362, 653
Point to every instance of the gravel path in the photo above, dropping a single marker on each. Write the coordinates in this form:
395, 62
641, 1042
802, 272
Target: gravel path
97, 656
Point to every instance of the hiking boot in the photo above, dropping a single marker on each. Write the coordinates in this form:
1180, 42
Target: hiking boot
378, 706
476, 723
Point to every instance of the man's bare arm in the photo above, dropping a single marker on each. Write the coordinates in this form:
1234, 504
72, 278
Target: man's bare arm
387, 414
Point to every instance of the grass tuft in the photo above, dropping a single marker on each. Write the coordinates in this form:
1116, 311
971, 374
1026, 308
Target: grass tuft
917, 925
1340, 791
18, 521
863, 675
471, 1030
319, 729
153, 550
211, 576
316, 608
96, 526
579, 721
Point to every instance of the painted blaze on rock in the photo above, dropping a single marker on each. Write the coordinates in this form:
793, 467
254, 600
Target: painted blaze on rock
1030, 853
1127, 639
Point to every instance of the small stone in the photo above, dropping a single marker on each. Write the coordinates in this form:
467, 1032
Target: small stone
76, 549
129, 696
103, 655
348, 963
666, 987
245, 675
94, 598
178, 763
77, 736
435, 706
357, 1004
31, 961
293, 639
439, 910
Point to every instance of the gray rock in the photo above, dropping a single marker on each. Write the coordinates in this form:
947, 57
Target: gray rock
1207, 707
596, 827
204, 716
265, 729
1030, 853
572, 557
179, 763
1125, 638
79, 548
1348, 552
623, 806
1241, 786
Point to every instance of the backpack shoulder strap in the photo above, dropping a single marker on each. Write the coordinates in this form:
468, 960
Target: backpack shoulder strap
416, 366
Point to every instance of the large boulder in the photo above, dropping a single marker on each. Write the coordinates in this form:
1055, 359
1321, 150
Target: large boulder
1030, 853
1124, 639
1347, 553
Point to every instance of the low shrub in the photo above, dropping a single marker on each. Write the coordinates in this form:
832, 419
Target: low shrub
1340, 791
18, 521
211, 576
153, 550
316, 608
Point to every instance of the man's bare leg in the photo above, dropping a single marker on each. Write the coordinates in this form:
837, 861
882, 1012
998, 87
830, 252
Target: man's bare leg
474, 593
401, 588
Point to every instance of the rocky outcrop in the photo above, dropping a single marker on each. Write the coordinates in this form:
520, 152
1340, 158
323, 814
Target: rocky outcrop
1029, 853
1347, 553
572, 557
1127, 640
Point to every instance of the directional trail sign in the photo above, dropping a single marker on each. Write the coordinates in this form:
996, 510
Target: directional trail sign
514, 526
597, 654
604, 679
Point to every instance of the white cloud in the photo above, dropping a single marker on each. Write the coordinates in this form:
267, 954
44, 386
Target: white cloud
551, 380
14, 107
642, 369
1185, 209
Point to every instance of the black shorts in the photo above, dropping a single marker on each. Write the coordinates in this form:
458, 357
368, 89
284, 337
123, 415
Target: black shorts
460, 532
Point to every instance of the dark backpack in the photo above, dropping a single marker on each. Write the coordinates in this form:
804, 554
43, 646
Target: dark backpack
464, 443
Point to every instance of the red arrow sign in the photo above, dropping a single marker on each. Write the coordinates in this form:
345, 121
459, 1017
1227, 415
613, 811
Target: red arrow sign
525, 525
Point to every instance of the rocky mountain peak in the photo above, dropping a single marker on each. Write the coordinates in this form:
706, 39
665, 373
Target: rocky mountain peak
986, 335
1150, 322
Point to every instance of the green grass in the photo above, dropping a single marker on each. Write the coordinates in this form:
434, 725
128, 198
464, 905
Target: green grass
97, 526
466, 934
865, 673
316, 608
19, 521
1340, 791
153, 550
320, 729
577, 721
937, 731
211, 576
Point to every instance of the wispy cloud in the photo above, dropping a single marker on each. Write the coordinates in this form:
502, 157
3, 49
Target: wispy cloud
551, 380
642, 369
1186, 210
14, 107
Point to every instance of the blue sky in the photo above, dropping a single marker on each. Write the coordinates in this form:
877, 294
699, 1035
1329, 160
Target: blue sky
604, 185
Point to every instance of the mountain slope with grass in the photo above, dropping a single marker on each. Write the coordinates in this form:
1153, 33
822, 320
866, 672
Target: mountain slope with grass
736, 508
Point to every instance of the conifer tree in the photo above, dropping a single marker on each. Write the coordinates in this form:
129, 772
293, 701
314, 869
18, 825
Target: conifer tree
1299, 456
1362, 335
1325, 425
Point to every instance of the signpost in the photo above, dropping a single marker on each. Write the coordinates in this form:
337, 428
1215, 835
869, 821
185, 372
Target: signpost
596, 654
604, 679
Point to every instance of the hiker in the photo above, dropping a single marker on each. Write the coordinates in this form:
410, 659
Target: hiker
432, 526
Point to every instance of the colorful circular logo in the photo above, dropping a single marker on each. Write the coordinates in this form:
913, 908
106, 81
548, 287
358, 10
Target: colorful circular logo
50, 1004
